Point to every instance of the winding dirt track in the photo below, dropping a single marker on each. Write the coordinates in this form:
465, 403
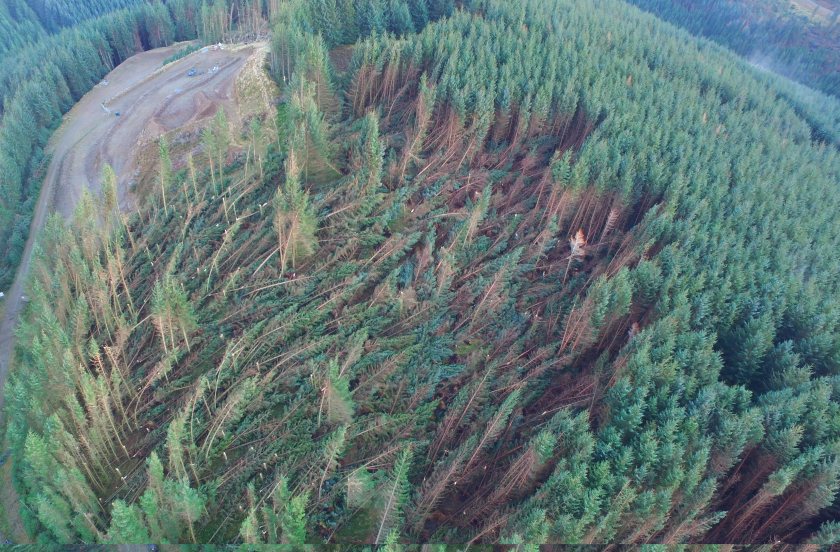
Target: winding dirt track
151, 100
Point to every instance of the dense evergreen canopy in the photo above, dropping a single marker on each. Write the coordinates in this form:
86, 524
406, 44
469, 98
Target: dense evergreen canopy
24, 22
527, 272
54, 15
773, 34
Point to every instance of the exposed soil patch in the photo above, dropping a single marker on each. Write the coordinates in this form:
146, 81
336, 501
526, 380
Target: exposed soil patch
150, 101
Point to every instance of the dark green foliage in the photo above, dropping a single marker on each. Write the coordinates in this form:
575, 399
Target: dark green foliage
771, 34
182, 53
346, 21
127, 525
25, 22
540, 273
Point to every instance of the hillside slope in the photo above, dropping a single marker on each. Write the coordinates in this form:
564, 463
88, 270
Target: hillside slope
40, 82
26, 22
92, 137
799, 39
531, 274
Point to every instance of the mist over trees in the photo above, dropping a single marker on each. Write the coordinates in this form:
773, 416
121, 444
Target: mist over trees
768, 33
497, 272
25, 22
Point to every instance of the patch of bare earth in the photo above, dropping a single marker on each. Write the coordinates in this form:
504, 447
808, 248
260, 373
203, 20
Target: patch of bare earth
251, 93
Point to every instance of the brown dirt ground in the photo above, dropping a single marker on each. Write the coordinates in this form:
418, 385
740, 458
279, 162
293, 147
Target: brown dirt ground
151, 102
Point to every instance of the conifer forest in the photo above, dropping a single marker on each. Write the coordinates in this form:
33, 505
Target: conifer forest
486, 272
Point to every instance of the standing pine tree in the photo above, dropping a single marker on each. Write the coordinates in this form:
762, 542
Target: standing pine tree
294, 219
165, 171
